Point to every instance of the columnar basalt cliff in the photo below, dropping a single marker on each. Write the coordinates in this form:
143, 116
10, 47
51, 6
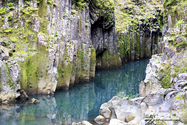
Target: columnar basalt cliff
48, 45
138, 28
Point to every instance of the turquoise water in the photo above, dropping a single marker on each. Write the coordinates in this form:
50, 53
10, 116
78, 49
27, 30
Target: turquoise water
79, 103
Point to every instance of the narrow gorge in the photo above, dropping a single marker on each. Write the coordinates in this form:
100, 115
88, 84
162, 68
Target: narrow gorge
54, 45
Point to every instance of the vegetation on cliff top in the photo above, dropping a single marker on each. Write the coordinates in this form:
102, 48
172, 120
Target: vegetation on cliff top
131, 13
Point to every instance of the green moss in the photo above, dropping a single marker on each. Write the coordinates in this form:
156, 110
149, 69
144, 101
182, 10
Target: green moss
178, 97
64, 71
32, 9
124, 44
160, 123
93, 57
78, 63
11, 7
169, 3
30, 73
81, 3
183, 69
92, 63
25, 12
27, 2
110, 60
10, 17
73, 11
54, 4
28, 21
84, 56
179, 22
155, 57
10, 81
43, 16
2, 10
13, 39
49, 2
182, 44
42, 8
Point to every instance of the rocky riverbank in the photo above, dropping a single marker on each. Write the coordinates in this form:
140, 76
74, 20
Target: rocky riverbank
163, 93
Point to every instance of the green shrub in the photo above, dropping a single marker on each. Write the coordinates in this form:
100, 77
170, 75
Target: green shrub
165, 82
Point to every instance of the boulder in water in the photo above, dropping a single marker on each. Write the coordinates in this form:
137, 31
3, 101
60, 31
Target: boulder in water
100, 119
33, 101
105, 111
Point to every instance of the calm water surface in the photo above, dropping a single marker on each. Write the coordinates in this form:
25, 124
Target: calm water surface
81, 102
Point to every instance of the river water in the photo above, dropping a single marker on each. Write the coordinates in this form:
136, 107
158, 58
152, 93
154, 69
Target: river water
81, 102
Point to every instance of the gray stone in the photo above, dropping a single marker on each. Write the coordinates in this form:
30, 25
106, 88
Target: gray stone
105, 111
180, 84
124, 110
33, 101
182, 76
86, 123
116, 122
99, 118
154, 98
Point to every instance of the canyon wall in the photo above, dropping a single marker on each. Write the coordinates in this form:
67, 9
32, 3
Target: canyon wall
139, 29
49, 45
168, 68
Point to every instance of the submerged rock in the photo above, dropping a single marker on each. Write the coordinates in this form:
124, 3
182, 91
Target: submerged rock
33, 101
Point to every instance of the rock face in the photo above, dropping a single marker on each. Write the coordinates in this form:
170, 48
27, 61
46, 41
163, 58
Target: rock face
9, 77
55, 44
140, 29
168, 68
151, 80
50, 45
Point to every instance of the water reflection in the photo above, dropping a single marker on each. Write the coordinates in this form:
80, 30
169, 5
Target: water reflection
79, 103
